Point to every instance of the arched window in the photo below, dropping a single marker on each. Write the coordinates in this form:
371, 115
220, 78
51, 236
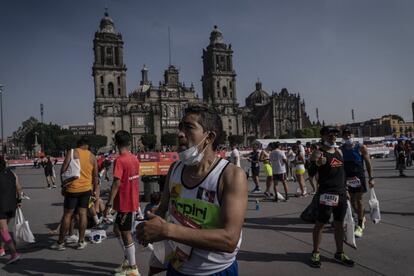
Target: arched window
218, 84
118, 80
119, 91
224, 91
218, 94
109, 56
102, 91
231, 94
102, 79
110, 89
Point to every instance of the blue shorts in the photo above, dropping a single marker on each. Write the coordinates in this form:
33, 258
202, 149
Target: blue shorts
232, 270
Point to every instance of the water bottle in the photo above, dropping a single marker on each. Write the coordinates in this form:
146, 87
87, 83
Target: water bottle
257, 205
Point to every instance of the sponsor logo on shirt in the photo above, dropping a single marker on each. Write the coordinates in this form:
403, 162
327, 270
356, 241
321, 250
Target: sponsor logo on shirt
335, 163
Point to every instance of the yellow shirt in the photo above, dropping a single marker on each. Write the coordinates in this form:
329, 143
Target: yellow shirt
84, 182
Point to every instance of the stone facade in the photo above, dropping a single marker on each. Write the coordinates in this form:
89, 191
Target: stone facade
157, 109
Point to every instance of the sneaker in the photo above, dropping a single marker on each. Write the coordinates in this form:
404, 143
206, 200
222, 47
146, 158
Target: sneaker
358, 231
54, 187
267, 195
123, 266
99, 226
58, 246
72, 239
256, 190
14, 258
344, 259
286, 197
2, 252
81, 245
315, 260
129, 271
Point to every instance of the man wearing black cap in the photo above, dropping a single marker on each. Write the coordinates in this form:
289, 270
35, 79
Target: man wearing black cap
332, 195
355, 155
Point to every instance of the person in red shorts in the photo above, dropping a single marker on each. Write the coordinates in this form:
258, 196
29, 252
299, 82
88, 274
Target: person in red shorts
124, 198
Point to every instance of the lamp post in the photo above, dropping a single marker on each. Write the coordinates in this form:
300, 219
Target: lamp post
1, 111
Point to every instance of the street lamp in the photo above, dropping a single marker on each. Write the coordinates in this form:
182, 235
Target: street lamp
1, 111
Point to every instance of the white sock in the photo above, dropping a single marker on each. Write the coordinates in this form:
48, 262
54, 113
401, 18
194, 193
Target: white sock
96, 219
130, 254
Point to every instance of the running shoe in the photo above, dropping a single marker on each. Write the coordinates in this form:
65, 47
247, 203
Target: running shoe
58, 246
72, 239
363, 223
267, 195
344, 259
14, 258
2, 252
256, 190
315, 260
123, 266
129, 271
54, 187
81, 245
358, 231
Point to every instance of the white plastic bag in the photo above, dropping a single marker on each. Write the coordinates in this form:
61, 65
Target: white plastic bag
72, 172
280, 197
22, 228
349, 226
374, 207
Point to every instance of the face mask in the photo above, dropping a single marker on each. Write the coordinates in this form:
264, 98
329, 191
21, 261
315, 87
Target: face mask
349, 141
334, 145
192, 156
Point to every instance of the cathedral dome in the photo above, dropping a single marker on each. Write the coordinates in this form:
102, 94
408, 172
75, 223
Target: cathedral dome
258, 97
107, 24
216, 36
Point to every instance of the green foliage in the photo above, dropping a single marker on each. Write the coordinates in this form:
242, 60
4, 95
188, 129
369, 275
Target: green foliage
169, 139
236, 139
96, 142
222, 139
149, 140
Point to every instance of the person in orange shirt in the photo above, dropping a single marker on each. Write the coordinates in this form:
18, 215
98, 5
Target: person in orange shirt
78, 192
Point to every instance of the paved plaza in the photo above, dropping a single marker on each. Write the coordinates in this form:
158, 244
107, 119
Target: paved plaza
275, 240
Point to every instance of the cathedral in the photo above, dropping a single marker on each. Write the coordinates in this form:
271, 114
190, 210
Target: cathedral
158, 109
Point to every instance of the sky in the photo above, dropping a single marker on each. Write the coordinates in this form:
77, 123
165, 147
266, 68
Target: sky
339, 55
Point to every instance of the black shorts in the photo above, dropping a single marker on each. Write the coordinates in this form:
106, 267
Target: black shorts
255, 171
48, 173
77, 200
279, 177
124, 221
339, 211
361, 189
7, 215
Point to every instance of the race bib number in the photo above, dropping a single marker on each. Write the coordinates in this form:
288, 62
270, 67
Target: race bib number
353, 182
329, 199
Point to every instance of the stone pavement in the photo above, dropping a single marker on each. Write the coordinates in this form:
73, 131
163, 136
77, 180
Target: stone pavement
275, 240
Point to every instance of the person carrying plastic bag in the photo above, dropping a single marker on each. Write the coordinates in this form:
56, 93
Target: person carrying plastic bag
22, 228
10, 191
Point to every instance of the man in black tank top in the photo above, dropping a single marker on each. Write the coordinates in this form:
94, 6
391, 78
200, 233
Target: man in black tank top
332, 194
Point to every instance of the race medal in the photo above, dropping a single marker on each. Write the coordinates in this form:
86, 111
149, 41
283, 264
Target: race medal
353, 182
329, 199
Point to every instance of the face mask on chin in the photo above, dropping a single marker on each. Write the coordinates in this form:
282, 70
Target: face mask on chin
349, 141
192, 156
334, 145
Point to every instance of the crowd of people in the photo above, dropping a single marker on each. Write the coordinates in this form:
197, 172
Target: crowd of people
194, 226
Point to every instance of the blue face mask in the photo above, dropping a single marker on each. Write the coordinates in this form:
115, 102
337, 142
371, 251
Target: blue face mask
192, 156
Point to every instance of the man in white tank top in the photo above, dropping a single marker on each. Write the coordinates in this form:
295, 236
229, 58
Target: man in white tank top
202, 210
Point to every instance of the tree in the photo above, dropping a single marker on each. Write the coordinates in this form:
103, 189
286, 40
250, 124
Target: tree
222, 138
251, 139
236, 139
169, 139
149, 140
97, 141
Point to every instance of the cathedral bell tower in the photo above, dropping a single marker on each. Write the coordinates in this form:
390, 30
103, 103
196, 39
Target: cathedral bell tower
219, 78
109, 73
